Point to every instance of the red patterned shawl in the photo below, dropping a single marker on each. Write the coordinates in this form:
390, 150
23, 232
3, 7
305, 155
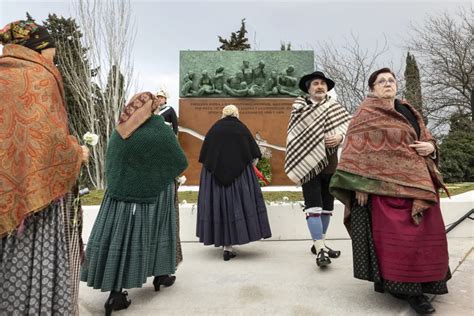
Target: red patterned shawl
376, 148
39, 160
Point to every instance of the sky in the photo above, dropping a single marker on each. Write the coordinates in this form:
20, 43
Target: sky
164, 28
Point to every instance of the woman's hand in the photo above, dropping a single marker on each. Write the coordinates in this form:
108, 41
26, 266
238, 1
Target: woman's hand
333, 140
85, 154
423, 148
362, 198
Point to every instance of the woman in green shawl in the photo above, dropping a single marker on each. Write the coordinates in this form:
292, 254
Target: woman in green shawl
134, 235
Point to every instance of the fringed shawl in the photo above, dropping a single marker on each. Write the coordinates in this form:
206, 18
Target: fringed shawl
376, 157
306, 153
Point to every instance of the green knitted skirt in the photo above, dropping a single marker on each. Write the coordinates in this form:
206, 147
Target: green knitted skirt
130, 242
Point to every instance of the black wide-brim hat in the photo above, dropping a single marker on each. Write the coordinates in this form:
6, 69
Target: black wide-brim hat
311, 77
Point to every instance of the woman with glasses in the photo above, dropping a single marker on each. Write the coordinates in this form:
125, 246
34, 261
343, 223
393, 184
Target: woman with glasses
388, 180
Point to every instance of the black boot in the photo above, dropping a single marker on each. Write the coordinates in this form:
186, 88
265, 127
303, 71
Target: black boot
117, 301
421, 304
166, 280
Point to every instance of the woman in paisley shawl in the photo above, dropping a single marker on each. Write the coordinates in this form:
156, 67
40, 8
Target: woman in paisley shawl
388, 180
39, 164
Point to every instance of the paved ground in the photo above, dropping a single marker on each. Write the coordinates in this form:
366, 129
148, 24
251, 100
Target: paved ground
281, 278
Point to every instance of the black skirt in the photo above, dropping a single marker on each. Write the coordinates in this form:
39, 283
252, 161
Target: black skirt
231, 215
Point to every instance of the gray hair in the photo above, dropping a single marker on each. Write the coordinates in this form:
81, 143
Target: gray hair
230, 110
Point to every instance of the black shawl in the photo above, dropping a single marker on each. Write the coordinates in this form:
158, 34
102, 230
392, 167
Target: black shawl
227, 149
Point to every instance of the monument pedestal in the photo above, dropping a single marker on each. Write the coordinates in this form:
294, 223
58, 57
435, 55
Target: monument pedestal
266, 116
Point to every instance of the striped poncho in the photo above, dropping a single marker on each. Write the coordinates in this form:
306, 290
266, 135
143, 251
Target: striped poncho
306, 153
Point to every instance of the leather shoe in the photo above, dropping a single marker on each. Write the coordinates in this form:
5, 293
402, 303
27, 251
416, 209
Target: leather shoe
421, 304
331, 253
322, 259
166, 280
228, 255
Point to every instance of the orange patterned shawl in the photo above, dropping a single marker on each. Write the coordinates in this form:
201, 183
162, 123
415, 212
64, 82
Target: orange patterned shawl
39, 160
376, 148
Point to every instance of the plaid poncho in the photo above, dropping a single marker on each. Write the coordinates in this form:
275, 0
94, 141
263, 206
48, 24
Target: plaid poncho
306, 153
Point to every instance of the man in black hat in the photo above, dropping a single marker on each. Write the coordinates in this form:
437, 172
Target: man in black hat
316, 128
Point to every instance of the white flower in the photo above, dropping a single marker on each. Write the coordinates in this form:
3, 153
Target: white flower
182, 180
90, 139
285, 198
184, 202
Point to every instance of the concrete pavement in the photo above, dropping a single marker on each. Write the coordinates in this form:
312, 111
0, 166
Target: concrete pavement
281, 278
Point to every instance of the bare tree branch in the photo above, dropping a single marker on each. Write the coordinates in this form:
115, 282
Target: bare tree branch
101, 82
443, 45
350, 67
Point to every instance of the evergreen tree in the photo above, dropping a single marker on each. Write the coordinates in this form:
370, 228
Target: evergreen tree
457, 157
413, 85
284, 46
29, 17
457, 150
71, 57
237, 41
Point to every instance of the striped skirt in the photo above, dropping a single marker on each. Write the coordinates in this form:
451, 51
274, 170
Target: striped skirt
130, 242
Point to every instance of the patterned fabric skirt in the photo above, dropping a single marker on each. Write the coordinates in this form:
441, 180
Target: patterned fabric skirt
365, 260
34, 278
130, 242
232, 215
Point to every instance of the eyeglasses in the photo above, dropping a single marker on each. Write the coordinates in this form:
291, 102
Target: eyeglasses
383, 82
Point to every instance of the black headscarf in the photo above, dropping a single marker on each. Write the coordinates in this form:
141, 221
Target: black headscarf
227, 149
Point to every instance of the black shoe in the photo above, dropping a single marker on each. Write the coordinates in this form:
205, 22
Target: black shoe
166, 280
228, 255
331, 253
322, 259
421, 304
116, 301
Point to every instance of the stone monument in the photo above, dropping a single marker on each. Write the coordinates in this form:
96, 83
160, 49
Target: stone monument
262, 84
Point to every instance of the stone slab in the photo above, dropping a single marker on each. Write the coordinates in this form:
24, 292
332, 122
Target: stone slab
267, 117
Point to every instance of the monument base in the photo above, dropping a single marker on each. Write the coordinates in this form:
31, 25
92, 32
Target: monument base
266, 116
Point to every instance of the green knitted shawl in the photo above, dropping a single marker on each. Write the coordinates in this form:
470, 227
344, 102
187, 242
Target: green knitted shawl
140, 167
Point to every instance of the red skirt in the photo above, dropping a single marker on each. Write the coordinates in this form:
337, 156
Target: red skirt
407, 252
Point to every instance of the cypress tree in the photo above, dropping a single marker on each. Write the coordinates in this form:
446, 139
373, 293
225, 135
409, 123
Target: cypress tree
67, 35
413, 85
